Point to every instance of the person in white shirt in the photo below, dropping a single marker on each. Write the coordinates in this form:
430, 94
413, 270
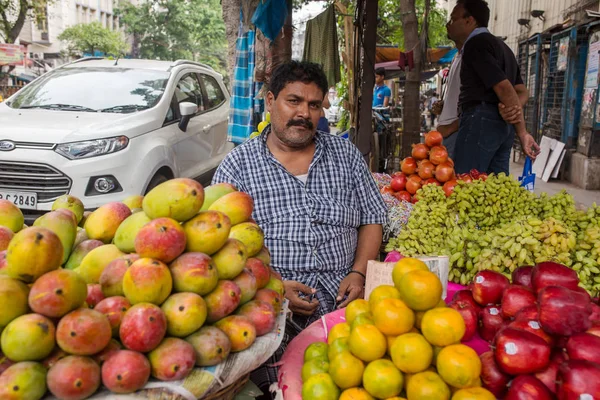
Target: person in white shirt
448, 120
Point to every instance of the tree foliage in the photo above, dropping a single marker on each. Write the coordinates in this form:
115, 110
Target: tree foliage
175, 29
92, 37
13, 14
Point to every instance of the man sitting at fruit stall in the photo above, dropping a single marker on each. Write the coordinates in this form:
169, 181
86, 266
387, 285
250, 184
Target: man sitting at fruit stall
489, 75
314, 197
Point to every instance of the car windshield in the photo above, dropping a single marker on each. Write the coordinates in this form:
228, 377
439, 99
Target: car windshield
114, 90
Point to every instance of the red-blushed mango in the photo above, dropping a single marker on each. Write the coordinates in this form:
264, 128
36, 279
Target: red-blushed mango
207, 232
111, 278
271, 297
143, 327
212, 346
71, 203
128, 230
65, 227
5, 237
264, 255
230, 259
251, 235
162, 239
94, 295
261, 314
96, 260
3, 263
80, 237
13, 300
56, 355
29, 337
83, 332
260, 271
125, 372
222, 301
276, 285
214, 192
239, 330
57, 292
11, 216
80, 251
172, 360
179, 198
185, 312
23, 381
111, 348
102, 223
74, 378
147, 281
33, 252
194, 272
247, 284
114, 308
134, 201
238, 206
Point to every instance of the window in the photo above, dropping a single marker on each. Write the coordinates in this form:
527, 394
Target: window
188, 89
214, 94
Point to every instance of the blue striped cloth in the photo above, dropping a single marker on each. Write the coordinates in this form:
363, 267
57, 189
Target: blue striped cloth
241, 105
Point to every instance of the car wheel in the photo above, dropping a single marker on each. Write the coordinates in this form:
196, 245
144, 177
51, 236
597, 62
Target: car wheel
155, 181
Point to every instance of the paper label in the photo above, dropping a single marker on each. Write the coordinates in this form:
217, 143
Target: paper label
534, 324
510, 348
479, 279
494, 311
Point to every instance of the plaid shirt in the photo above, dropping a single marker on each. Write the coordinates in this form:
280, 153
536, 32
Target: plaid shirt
310, 229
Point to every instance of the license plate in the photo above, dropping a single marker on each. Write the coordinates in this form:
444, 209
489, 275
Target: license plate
24, 200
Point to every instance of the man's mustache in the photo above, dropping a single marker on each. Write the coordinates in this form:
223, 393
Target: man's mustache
300, 122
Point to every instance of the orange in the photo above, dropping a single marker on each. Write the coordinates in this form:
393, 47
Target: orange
436, 351
476, 393
419, 314
420, 290
390, 342
346, 370
459, 365
406, 265
411, 353
382, 379
356, 307
393, 317
356, 394
339, 330
314, 367
427, 386
383, 292
316, 350
362, 319
408, 377
443, 326
338, 345
395, 398
367, 343
320, 387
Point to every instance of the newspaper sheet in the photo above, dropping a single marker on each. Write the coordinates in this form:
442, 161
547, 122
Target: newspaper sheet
204, 381
380, 273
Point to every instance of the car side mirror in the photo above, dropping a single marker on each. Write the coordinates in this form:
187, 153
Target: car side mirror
187, 111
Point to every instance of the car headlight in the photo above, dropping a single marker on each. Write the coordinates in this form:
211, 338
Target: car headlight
92, 148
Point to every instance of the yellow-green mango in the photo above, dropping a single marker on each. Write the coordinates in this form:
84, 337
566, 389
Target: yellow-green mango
216, 191
33, 252
179, 199
65, 228
207, 232
11, 216
231, 259
71, 203
103, 223
96, 260
251, 235
13, 300
238, 206
127, 231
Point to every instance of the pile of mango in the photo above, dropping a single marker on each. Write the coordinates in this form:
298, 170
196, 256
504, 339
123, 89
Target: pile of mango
151, 286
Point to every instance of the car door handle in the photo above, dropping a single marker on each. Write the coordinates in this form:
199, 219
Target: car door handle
206, 128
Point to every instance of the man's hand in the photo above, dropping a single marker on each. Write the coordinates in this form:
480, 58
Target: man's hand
512, 115
352, 287
437, 107
298, 305
530, 147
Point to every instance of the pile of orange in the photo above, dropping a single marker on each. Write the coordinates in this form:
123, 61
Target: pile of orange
403, 343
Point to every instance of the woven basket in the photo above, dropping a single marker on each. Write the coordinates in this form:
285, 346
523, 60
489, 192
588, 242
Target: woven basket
227, 393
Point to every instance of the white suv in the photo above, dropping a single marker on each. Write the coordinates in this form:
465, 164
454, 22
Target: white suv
104, 129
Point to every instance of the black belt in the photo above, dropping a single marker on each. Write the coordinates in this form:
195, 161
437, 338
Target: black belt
472, 104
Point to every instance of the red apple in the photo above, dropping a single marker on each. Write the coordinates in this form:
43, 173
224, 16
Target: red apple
582, 290
560, 342
553, 274
529, 312
490, 322
578, 378
584, 346
488, 287
520, 352
522, 276
470, 317
548, 375
398, 182
563, 311
465, 297
532, 326
515, 298
595, 316
492, 378
527, 387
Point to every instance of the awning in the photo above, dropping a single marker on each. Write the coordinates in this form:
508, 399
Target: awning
447, 59
392, 53
392, 71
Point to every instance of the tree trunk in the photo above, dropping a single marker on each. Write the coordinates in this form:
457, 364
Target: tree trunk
231, 16
411, 101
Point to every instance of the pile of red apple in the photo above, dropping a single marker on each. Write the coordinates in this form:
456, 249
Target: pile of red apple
544, 332
429, 164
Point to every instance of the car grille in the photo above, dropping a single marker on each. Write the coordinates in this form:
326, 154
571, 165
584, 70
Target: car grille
47, 182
